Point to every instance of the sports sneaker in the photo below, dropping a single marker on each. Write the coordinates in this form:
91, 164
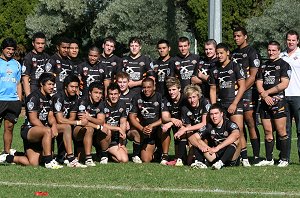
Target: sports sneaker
218, 165
53, 165
283, 163
171, 163
76, 164
179, 162
265, 163
3, 158
66, 162
136, 159
89, 162
245, 163
164, 162
104, 160
197, 165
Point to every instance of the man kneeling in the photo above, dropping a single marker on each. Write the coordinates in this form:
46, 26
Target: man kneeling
217, 141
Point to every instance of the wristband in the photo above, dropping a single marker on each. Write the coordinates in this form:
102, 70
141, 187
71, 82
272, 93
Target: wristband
99, 127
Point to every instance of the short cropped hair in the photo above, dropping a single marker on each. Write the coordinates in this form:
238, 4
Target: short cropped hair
9, 42
173, 81
46, 77
122, 75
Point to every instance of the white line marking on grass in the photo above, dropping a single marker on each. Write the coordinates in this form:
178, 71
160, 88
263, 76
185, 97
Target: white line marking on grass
152, 189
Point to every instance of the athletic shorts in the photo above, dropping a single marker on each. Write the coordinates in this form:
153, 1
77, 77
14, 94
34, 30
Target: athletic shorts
238, 111
35, 146
250, 100
10, 110
114, 138
220, 153
276, 111
152, 138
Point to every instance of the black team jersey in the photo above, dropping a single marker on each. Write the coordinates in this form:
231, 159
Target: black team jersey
148, 109
137, 69
61, 69
193, 116
248, 58
64, 104
86, 105
226, 80
91, 73
74, 62
127, 98
174, 108
205, 66
184, 67
218, 134
162, 69
111, 64
34, 65
37, 102
272, 72
113, 115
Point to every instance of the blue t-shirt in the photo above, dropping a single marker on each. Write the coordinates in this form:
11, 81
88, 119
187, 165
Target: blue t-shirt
10, 75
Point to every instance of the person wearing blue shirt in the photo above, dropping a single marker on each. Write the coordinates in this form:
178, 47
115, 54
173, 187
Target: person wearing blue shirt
10, 90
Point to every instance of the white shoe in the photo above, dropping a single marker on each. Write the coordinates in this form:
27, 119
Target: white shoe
179, 162
163, 162
245, 163
76, 164
283, 163
218, 165
89, 162
104, 160
136, 159
53, 165
197, 164
66, 162
3, 158
265, 163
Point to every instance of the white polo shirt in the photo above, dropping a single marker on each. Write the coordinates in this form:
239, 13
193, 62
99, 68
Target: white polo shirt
294, 60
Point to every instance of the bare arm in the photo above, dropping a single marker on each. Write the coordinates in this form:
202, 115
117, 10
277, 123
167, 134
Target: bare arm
213, 94
19, 91
133, 120
26, 85
251, 79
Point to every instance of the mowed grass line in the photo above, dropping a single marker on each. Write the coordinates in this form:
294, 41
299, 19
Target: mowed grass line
137, 180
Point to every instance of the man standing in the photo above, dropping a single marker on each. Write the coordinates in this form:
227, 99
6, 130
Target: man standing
249, 61
185, 63
271, 83
10, 90
34, 63
136, 65
292, 92
162, 65
60, 63
110, 61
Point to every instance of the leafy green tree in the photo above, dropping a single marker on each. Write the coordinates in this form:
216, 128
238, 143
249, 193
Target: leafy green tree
12, 19
234, 13
275, 21
150, 20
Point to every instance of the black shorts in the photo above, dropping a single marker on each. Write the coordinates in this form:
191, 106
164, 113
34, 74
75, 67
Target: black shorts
250, 100
276, 111
115, 138
238, 111
10, 110
221, 152
151, 139
35, 146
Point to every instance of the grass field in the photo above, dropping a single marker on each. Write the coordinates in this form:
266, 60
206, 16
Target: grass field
149, 180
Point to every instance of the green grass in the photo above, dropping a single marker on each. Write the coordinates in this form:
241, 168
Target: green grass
148, 180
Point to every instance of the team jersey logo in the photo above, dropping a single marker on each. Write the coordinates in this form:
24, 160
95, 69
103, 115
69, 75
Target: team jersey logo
30, 105
106, 110
121, 110
23, 69
256, 62
81, 107
113, 64
58, 106
156, 104
142, 64
48, 67
233, 126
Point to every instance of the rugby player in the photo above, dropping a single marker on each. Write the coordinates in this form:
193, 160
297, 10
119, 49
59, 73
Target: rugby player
34, 63
193, 115
185, 63
145, 116
162, 65
89, 108
229, 77
249, 60
127, 94
113, 116
271, 83
205, 66
137, 65
222, 139
73, 55
92, 71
